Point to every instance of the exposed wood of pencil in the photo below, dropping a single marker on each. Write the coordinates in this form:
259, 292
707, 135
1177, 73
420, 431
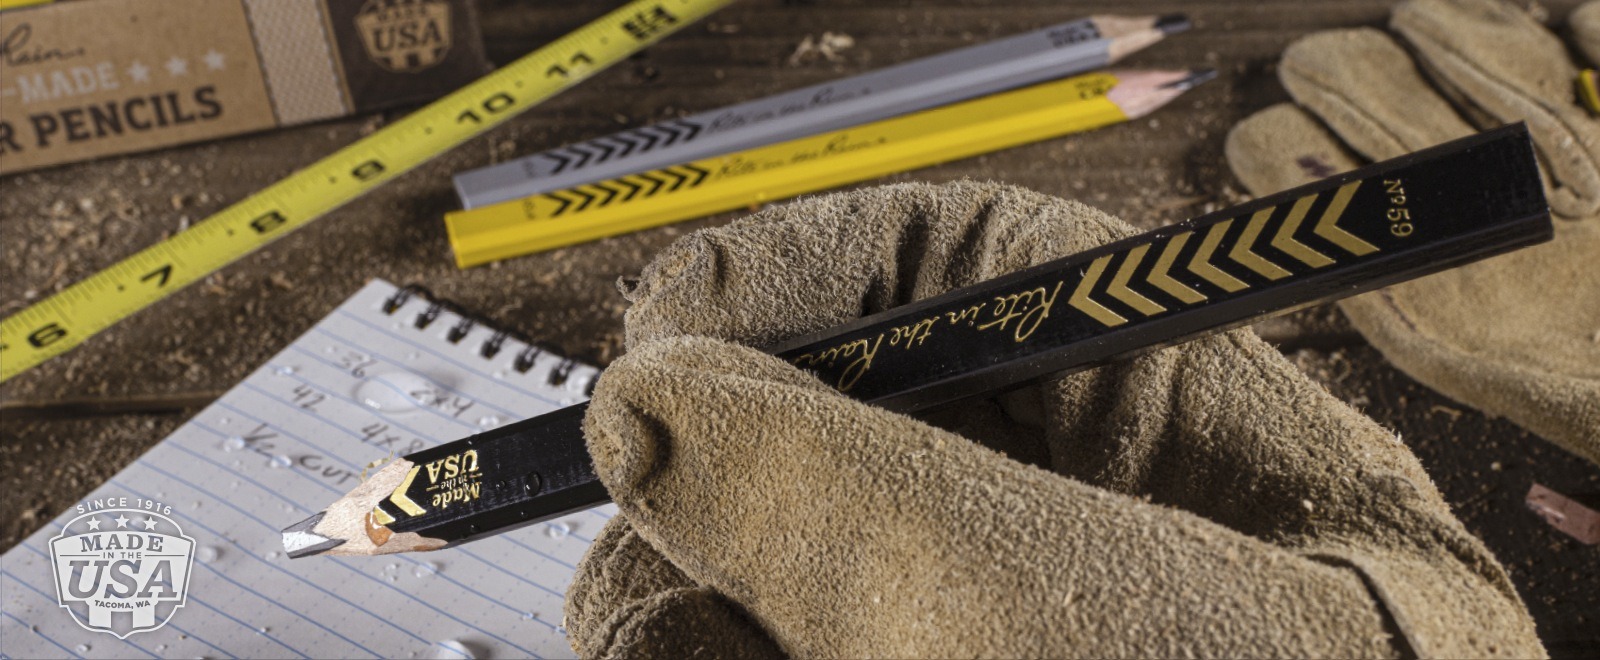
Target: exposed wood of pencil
346, 527
1130, 34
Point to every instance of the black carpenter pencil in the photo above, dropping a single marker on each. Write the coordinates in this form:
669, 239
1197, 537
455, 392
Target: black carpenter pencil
1382, 224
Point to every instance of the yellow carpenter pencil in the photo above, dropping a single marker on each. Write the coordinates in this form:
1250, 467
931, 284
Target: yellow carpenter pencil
712, 185
1589, 90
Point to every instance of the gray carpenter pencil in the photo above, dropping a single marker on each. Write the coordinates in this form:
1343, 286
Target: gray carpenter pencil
1052, 52
1354, 232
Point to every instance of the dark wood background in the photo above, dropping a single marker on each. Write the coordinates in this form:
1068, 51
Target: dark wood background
63, 224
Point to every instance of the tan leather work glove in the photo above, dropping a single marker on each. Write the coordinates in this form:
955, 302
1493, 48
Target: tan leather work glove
1518, 335
1207, 499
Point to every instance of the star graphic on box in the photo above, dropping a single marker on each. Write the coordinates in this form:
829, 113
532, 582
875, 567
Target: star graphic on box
177, 66
139, 72
213, 60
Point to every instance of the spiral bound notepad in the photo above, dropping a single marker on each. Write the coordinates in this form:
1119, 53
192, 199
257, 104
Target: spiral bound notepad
391, 371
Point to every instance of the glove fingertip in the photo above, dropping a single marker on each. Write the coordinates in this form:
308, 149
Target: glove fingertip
1282, 147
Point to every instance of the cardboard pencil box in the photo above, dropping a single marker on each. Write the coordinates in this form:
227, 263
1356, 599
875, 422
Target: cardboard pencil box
92, 78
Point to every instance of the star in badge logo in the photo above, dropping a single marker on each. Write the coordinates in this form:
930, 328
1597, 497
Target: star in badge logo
213, 60
177, 66
122, 521
94, 524
149, 523
139, 72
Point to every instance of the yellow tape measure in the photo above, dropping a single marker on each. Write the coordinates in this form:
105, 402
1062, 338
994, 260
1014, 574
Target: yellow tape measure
722, 183
58, 323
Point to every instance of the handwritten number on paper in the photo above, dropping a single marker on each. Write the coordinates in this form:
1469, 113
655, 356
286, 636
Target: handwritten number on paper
356, 363
371, 433
307, 398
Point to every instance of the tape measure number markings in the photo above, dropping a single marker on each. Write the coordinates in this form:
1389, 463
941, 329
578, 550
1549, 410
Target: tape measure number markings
61, 322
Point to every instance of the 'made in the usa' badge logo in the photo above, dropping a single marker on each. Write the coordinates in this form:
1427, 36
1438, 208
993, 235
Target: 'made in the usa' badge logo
122, 570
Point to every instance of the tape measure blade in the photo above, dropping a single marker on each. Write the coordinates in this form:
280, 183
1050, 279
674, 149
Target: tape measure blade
66, 319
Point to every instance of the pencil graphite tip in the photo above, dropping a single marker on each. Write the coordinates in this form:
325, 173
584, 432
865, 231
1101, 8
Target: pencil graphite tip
1195, 77
1173, 23
300, 539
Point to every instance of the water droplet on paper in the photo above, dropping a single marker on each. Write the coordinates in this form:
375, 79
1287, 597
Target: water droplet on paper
234, 484
557, 530
208, 553
330, 350
238, 463
453, 649
261, 631
233, 443
425, 569
395, 391
414, 356
161, 647
286, 370
561, 629
83, 648
500, 373
272, 555
528, 616
488, 421
567, 401
280, 461
224, 421
391, 567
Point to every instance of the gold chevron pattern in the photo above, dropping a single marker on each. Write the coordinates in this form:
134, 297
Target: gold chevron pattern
1201, 263
1161, 277
1328, 228
1284, 238
1241, 250
1244, 252
1080, 296
1119, 284
399, 499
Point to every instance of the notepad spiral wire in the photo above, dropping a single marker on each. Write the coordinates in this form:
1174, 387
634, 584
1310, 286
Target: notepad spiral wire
526, 357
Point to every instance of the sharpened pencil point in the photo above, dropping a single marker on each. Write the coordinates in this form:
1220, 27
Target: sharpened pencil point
1173, 23
299, 539
1195, 77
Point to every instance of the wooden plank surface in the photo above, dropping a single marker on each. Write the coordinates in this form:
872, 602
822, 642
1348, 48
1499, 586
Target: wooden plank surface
62, 224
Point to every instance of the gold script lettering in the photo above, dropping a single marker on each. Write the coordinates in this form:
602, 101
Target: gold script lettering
913, 334
862, 350
1028, 309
